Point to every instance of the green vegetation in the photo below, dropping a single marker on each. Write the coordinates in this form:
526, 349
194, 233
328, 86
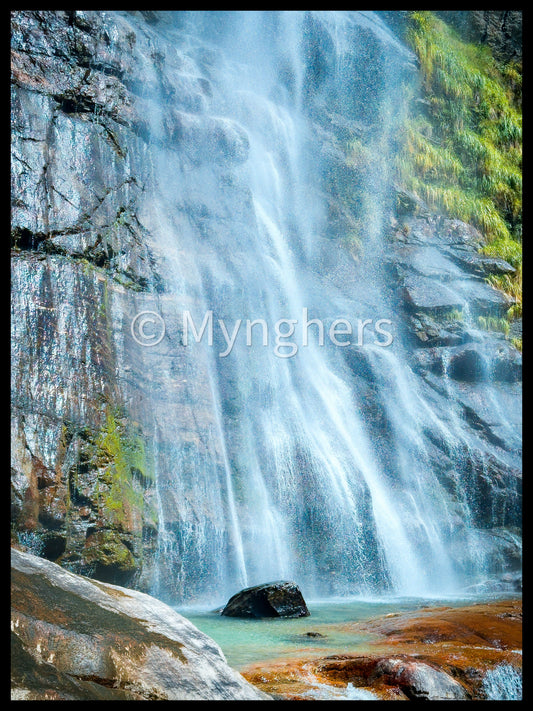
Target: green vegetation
453, 315
462, 153
491, 323
107, 549
123, 456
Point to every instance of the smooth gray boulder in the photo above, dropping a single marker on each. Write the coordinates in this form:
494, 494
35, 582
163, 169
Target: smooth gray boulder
75, 638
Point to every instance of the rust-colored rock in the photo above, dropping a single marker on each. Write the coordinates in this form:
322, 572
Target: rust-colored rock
432, 653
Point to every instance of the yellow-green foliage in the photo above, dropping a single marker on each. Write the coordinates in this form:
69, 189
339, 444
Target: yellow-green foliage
120, 497
515, 311
453, 315
465, 155
490, 323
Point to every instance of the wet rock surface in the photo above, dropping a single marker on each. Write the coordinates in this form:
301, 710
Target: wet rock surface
83, 264
435, 653
418, 681
88, 402
440, 278
76, 639
279, 599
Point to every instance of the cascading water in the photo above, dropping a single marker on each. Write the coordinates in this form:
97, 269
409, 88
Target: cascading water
284, 472
503, 683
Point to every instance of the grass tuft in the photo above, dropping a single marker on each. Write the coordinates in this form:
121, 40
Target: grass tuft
464, 156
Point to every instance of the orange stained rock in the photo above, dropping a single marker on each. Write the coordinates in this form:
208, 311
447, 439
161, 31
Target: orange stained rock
463, 642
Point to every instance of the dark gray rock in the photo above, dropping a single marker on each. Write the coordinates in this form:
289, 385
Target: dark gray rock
480, 264
507, 364
278, 599
427, 261
483, 298
501, 30
476, 361
468, 364
516, 329
422, 294
408, 203
430, 332
414, 230
459, 233
429, 359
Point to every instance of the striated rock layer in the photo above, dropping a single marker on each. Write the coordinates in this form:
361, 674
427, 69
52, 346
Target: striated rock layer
83, 462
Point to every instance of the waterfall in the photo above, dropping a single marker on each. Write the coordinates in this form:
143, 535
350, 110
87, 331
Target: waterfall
315, 467
503, 682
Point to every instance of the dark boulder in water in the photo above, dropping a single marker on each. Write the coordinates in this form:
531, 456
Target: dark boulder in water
278, 599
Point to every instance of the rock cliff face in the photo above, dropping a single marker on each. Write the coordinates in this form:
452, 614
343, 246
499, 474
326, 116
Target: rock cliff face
501, 30
81, 479
83, 463
96, 419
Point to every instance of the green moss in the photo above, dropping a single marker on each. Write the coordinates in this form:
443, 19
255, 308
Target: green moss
464, 156
106, 549
453, 315
490, 323
110, 478
122, 455
517, 343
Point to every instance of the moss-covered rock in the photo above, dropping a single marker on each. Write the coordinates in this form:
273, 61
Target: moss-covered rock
109, 557
462, 153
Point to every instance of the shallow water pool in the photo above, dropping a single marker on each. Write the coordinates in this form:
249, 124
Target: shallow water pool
247, 641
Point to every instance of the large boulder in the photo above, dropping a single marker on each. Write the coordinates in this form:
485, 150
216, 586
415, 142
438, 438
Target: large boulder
278, 599
75, 638
478, 361
420, 681
415, 679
